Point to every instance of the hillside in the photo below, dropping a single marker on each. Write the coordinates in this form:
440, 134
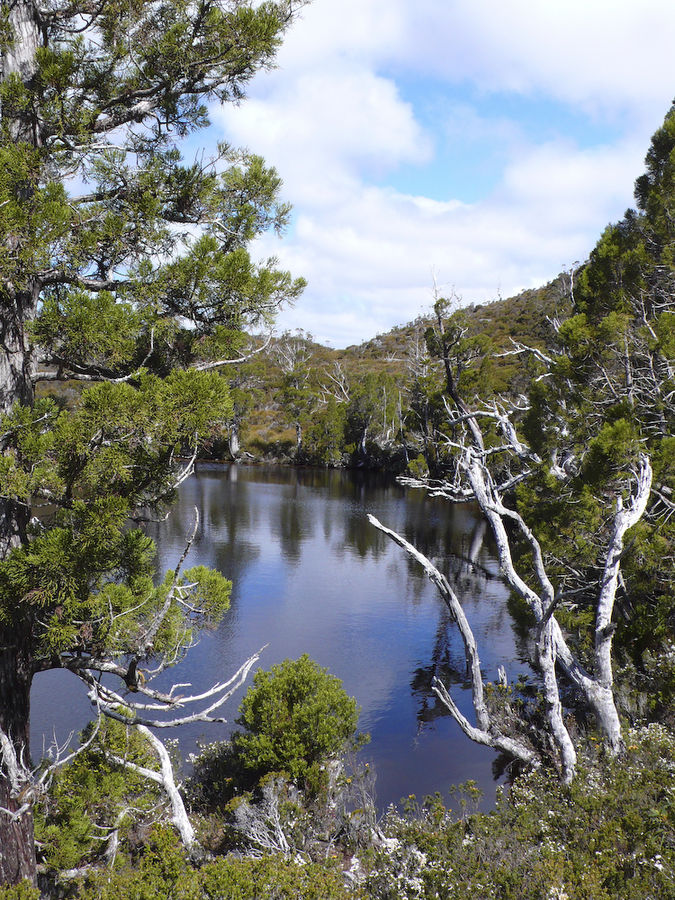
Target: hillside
291, 386
524, 317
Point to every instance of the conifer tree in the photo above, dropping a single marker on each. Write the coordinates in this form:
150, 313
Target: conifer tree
124, 268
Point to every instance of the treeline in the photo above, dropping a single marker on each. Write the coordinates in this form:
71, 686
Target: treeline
379, 404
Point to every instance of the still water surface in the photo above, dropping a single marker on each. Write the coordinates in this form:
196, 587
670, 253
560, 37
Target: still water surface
311, 575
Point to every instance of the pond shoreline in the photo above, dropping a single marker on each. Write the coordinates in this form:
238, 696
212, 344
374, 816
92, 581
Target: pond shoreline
310, 574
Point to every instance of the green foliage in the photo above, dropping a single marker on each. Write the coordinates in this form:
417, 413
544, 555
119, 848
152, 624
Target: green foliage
275, 878
610, 835
608, 399
324, 440
607, 835
162, 871
90, 330
294, 716
94, 795
21, 891
124, 267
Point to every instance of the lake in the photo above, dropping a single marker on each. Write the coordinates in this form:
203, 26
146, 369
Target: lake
311, 575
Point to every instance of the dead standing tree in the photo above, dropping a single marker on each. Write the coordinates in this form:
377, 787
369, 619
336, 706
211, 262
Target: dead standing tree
552, 650
475, 477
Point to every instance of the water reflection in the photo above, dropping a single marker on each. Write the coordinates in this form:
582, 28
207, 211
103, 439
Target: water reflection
311, 575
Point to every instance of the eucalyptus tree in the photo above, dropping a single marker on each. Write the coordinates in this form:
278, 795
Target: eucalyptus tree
124, 269
490, 460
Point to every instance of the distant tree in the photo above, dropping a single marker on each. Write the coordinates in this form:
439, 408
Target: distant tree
296, 394
126, 268
325, 434
371, 412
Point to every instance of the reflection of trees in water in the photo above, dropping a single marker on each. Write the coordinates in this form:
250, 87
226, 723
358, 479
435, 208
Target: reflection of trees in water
447, 662
230, 517
227, 518
294, 523
240, 507
360, 536
451, 536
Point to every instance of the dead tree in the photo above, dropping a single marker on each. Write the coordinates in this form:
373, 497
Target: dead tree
475, 477
474, 481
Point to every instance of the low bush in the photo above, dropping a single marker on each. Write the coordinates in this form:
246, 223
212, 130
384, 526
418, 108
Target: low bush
295, 716
610, 835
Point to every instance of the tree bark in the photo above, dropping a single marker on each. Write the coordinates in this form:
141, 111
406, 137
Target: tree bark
17, 368
17, 846
234, 443
18, 59
17, 365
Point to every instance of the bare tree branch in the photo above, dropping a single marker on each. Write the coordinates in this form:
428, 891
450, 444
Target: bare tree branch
487, 732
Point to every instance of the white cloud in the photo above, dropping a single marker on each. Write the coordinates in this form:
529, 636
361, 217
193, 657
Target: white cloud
334, 122
369, 261
322, 127
606, 54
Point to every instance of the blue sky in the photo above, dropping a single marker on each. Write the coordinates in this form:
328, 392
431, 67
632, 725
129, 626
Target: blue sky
481, 143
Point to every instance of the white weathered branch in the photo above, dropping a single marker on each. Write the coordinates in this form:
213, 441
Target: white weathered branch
550, 643
520, 348
261, 823
28, 785
165, 778
113, 704
486, 733
204, 366
502, 742
624, 519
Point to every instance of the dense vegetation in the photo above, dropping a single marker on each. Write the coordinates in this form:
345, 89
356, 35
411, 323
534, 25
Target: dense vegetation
610, 834
558, 402
377, 404
281, 789
126, 268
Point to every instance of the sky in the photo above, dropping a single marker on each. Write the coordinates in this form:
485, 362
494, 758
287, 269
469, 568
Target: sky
475, 147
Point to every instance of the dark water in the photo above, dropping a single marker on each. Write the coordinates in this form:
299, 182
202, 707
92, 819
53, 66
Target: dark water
311, 575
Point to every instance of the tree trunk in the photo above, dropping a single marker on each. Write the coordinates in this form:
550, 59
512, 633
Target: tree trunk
546, 659
17, 847
233, 441
18, 58
17, 366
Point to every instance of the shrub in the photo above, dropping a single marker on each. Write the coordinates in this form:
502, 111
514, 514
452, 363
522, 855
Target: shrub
610, 835
163, 871
94, 795
294, 717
